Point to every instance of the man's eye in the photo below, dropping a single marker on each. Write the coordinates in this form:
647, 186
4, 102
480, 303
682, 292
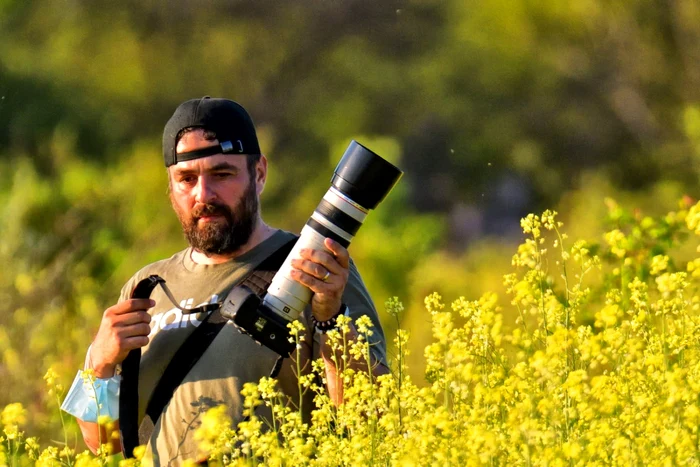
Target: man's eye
188, 180
223, 174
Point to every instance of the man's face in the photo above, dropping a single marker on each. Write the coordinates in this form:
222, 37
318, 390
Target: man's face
215, 197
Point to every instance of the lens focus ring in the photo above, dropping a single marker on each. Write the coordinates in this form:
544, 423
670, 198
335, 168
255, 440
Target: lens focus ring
338, 218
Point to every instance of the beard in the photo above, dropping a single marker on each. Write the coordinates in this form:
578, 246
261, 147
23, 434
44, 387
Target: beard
226, 235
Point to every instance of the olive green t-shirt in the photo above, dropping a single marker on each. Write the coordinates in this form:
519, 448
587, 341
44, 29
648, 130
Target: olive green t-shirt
232, 359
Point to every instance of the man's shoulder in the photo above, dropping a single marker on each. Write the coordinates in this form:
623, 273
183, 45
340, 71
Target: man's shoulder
157, 267
271, 244
285, 234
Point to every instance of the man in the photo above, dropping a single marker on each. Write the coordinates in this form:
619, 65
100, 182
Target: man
216, 198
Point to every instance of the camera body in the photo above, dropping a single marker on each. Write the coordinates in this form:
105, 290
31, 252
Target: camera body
361, 180
245, 309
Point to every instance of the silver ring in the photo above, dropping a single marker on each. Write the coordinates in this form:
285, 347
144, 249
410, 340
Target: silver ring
325, 278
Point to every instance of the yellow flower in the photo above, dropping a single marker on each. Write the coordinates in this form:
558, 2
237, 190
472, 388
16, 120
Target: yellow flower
393, 306
49, 458
617, 241
139, 452
216, 423
50, 377
531, 225
14, 415
693, 267
608, 316
433, 303
693, 218
659, 263
364, 325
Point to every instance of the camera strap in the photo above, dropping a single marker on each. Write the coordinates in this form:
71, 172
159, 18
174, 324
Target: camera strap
187, 355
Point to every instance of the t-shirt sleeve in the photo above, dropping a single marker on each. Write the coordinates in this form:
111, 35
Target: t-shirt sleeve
359, 303
125, 293
130, 285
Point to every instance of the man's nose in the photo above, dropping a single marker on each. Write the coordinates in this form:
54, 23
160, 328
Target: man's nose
204, 190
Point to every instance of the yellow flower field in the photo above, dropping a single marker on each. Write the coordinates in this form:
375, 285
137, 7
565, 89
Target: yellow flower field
600, 366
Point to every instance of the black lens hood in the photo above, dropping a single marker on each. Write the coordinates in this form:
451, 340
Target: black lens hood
364, 177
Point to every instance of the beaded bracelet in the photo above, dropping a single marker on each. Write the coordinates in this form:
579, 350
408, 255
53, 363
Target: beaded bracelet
331, 323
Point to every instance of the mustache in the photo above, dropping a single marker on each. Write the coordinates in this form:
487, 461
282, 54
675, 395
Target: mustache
212, 209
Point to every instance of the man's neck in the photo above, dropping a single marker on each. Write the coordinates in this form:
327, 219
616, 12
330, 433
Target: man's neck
261, 232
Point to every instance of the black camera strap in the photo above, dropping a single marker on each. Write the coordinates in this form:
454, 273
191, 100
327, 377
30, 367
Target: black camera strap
187, 355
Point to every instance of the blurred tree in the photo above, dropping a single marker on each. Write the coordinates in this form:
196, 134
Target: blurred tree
494, 109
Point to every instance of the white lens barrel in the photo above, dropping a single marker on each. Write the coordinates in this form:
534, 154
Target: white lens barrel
337, 217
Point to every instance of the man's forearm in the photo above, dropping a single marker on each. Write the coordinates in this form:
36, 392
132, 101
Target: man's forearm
95, 434
331, 359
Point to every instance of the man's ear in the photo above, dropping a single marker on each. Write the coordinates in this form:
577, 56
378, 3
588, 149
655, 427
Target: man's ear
260, 174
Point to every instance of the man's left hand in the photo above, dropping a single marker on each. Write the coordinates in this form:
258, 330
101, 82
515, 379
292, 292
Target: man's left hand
325, 272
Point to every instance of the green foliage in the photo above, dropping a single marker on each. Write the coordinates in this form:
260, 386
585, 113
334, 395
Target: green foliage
492, 108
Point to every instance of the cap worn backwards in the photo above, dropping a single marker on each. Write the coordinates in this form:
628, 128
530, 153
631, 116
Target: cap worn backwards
227, 119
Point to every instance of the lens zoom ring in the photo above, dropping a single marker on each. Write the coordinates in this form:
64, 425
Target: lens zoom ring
327, 233
338, 218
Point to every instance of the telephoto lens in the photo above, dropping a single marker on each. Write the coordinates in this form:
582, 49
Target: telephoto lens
360, 182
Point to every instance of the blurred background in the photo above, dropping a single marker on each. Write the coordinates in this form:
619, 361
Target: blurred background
493, 108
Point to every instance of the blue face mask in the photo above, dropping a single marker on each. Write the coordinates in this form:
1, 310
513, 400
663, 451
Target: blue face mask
91, 398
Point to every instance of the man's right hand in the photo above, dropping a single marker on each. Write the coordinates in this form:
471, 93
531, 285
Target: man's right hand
124, 327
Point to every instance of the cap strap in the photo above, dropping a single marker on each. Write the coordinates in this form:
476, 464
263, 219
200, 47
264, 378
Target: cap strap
224, 148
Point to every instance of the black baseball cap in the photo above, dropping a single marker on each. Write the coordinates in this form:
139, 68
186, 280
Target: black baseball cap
227, 119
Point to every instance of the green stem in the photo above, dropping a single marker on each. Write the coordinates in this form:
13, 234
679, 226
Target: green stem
398, 328
63, 425
298, 365
401, 363
566, 277
540, 281
9, 450
373, 421
97, 405
665, 345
